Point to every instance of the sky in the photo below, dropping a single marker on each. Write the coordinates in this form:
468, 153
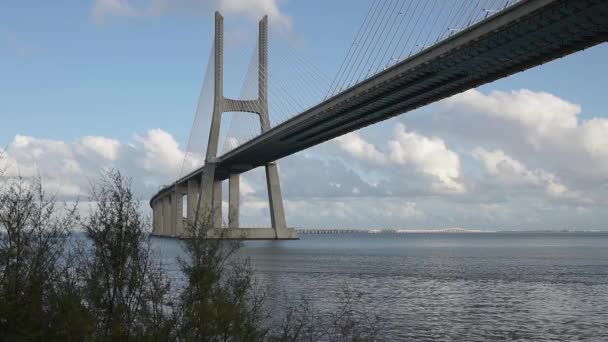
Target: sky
88, 85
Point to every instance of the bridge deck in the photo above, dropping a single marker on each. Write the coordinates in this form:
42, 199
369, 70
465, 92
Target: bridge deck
525, 35
520, 37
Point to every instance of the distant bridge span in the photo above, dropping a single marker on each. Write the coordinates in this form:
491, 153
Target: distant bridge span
522, 36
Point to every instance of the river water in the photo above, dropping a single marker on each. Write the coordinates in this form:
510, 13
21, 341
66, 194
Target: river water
453, 286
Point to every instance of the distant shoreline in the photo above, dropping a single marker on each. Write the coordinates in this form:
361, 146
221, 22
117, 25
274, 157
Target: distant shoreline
306, 231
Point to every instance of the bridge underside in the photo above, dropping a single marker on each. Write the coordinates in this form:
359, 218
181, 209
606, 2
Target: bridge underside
525, 35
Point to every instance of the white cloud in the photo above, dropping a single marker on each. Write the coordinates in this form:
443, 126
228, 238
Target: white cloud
161, 153
409, 152
253, 203
494, 212
26, 155
505, 168
67, 168
359, 148
255, 9
55, 161
511, 172
245, 187
540, 130
428, 155
594, 139
397, 209
101, 146
353, 212
530, 123
542, 115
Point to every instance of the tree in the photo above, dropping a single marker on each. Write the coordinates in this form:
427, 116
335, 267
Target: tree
124, 286
220, 301
37, 293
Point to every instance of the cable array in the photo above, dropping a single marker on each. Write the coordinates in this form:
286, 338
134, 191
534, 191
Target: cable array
194, 155
394, 30
294, 85
391, 31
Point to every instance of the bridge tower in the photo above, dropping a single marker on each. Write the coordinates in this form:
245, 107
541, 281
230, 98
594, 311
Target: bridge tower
210, 199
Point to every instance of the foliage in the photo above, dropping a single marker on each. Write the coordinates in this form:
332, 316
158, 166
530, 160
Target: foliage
220, 301
111, 285
123, 284
37, 293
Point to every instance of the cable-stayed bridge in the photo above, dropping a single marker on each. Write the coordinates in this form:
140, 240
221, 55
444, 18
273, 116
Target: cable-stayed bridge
453, 46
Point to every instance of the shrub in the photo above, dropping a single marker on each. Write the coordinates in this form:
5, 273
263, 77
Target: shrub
38, 296
123, 285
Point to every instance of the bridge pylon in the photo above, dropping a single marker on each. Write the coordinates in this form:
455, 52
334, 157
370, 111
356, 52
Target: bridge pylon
210, 198
204, 189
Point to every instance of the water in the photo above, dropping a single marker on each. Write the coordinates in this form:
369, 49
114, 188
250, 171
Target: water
461, 287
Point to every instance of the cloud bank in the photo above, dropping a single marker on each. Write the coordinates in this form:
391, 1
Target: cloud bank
517, 160
67, 168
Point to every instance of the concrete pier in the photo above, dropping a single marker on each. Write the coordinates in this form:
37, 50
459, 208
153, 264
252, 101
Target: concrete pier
233, 201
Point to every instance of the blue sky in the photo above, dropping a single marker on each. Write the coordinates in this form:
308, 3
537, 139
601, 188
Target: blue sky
72, 76
65, 75
69, 72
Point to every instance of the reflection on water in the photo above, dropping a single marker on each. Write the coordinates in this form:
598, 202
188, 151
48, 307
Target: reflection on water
495, 286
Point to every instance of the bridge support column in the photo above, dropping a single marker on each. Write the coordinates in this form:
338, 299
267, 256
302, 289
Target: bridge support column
157, 218
166, 205
275, 199
193, 196
178, 206
173, 211
161, 217
210, 203
217, 204
233, 201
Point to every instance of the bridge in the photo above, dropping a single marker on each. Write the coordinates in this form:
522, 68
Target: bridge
389, 231
520, 36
